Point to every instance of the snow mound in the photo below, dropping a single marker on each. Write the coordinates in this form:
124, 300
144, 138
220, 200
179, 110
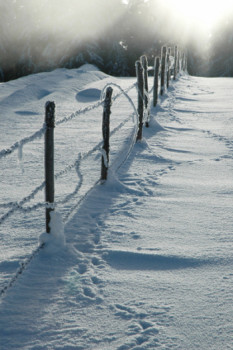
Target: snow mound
55, 240
88, 68
88, 95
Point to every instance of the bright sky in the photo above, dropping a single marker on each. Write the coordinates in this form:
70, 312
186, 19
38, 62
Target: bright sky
206, 13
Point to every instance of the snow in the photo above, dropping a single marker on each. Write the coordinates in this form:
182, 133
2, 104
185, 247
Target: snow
88, 95
140, 261
56, 238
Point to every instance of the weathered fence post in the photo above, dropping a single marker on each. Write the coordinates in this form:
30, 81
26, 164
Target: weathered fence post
156, 81
186, 63
139, 72
146, 99
49, 159
175, 63
106, 133
163, 69
178, 62
183, 61
168, 66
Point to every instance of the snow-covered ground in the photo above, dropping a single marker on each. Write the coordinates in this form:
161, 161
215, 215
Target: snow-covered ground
144, 261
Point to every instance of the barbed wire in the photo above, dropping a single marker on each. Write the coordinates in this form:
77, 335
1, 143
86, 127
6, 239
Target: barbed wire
80, 111
14, 206
22, 267
38, 134
19, 144
76, 164
18, 206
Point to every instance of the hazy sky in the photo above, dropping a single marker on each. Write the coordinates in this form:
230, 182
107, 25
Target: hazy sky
204, 13
34, 24
80, 19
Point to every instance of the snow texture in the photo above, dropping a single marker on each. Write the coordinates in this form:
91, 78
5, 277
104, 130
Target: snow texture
141, 261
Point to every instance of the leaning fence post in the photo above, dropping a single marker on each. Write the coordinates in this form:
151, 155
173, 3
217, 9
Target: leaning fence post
163, 69
139, 72
175, 63
49, 159
156, 81
106, 133
146, 99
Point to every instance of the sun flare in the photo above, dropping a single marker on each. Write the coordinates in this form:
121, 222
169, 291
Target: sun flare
205, 13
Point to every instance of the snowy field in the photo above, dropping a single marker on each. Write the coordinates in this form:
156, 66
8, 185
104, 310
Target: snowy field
144, 260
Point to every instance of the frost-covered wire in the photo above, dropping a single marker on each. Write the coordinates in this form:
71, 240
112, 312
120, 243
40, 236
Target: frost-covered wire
98, 147
77, 188
91, 107
68, 215
19, 205
20, 270
136, 122
19, 144
38, 134
124, 92
80, 111
132, 142
117, 128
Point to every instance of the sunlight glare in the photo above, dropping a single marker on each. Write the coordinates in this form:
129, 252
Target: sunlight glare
205, 13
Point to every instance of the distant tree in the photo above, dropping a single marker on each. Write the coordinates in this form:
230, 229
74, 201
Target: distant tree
112, 34
221, 57
116, 60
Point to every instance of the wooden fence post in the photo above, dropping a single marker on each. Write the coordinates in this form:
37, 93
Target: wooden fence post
106, 133
168, 66
178, 61
163, 69
175, 63
146, 100
156, 81
183, 61
139, 72
186, 63
49, 159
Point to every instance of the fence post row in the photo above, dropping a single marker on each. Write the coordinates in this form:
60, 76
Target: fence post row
106, 133
180, 63
140, 81
49, 159
156, 81
163, 69
146, 100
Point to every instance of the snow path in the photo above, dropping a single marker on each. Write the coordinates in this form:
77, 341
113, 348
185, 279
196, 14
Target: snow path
148, 256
